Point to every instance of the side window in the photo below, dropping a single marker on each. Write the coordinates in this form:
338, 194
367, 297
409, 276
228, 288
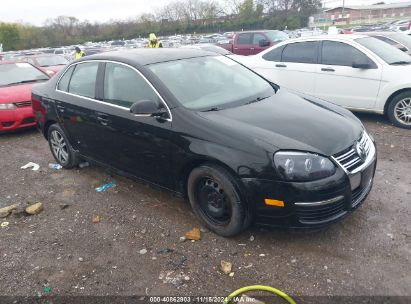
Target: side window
64, 81
257, 37
301, 52
274, 55
123, 86
244, 38
83, 80
338, 53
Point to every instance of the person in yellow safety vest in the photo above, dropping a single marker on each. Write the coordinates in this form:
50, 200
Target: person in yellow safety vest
79, 53
153, 42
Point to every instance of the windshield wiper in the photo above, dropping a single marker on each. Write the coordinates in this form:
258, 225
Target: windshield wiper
27, 81
400, 62
212, 109
257, 99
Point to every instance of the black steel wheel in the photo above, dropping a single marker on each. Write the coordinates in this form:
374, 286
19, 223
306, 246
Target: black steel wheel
215, 198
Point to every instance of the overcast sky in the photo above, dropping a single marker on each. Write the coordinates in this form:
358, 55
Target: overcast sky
37, 11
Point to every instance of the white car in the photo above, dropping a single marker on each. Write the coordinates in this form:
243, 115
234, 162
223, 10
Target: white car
354, 71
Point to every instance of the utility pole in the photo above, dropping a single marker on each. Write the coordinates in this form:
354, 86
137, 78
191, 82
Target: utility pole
343, 7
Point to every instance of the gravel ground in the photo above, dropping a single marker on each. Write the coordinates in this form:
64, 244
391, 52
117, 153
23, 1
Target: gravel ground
136, 250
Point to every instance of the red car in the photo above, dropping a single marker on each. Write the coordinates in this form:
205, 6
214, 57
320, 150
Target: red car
16, 81
49, 63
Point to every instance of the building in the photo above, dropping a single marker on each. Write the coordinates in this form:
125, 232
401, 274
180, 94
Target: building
367, 13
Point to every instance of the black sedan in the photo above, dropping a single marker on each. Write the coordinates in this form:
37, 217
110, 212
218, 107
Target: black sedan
242, 149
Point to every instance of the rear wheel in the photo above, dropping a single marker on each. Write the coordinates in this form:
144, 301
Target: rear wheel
216, 200
60, 147
399, 110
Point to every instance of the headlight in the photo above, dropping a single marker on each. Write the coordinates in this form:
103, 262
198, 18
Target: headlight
299, 166
7, 106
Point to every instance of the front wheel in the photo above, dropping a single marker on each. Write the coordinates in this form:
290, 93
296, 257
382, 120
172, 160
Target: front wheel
216, 200
399, 110
60, 147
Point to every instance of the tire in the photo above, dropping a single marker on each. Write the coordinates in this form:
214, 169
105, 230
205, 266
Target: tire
216, 200
61, 148
399, 110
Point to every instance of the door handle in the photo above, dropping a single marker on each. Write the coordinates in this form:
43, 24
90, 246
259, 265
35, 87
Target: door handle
328, 70
280, 65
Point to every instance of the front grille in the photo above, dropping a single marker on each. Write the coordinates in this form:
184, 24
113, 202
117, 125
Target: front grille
27, 120
349, 159
360, 193
23, 104
8, 123
320, 214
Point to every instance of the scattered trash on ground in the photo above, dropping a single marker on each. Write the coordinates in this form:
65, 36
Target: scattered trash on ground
252, 238
4, 224
5, 211
83, 165
96, 219
174, 278
143, 251
182, 239
35, 208
193, 234
231, 274
55, 166
80, 259
31, 165
226, 267
47, 289
105, 187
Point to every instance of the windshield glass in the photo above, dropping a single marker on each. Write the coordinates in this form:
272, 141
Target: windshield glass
402, 38
19, 72
386, 52
51, 60
277, 35
211, 83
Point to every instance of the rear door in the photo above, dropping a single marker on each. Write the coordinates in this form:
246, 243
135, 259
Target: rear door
243, 44
291, 66
76, 92
338, 82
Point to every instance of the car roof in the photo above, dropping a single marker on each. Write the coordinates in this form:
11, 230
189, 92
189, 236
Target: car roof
346, 37
150, 56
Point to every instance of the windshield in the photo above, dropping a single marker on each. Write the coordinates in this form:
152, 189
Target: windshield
211, 83
46, 61
277, 35
386, 52
13, 73
402, 38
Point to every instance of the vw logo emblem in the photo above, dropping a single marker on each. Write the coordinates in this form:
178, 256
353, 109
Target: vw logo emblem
360, 148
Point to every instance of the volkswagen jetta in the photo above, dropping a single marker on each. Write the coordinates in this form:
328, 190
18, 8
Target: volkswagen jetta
241, 148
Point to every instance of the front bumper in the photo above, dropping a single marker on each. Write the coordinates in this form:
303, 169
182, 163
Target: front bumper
21, 117
311, 204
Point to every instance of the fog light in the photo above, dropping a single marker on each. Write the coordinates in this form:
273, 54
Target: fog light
273, 202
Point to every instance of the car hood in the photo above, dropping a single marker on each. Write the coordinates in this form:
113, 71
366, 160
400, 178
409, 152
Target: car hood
15, 93
286, 121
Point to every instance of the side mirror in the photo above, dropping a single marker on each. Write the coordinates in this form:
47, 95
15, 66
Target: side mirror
263, 43
403, 48
148, 107
361, 65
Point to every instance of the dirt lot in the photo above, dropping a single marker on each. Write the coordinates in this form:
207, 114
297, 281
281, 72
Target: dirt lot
367, 254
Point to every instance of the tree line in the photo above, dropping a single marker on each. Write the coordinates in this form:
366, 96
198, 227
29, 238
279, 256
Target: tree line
177, 17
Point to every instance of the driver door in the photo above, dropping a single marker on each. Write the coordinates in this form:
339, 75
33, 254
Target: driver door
137, 144
339, 82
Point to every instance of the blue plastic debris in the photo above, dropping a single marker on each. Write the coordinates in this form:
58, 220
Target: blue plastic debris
55, 166
105, 187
